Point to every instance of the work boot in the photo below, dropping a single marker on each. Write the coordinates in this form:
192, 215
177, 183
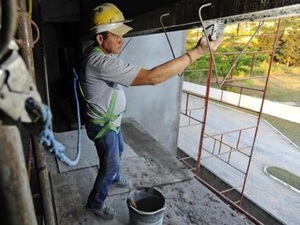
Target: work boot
123, 183
105, 212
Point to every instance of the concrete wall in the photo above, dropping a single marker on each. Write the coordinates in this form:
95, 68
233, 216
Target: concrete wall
156, 108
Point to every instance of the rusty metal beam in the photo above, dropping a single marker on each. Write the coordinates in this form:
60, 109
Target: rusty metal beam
44, 182
26, 46
17, 204
25, 40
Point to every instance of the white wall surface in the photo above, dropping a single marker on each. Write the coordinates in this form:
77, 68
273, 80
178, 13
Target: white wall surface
156, 108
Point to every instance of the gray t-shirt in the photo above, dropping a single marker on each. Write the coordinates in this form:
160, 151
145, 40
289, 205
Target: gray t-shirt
99, 75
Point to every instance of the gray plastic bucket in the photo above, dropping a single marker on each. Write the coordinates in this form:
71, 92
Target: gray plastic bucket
146, 206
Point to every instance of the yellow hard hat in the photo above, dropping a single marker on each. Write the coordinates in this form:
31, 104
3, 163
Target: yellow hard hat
107, 17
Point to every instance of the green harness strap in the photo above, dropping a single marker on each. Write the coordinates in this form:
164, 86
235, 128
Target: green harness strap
105, 119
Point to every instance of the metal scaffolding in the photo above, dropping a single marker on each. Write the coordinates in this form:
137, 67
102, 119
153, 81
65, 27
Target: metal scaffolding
227, 146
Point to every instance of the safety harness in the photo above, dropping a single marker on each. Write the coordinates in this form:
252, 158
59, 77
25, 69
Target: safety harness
105, 120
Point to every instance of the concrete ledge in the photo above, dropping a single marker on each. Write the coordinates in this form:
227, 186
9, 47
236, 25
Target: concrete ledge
283, 111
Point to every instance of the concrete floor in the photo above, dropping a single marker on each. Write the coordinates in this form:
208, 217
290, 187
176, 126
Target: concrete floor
147, 164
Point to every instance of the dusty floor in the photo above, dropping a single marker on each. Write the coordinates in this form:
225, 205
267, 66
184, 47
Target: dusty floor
147, 164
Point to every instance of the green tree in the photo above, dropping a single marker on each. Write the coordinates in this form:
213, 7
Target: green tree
289, 51
265, 40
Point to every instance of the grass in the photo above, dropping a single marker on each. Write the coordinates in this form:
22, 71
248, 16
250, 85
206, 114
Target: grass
283, 88
289, 129
285, 176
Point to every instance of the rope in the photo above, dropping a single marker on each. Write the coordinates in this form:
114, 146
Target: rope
45, 135
75, 82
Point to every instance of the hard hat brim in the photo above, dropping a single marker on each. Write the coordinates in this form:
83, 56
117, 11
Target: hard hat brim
121, 30
117, 28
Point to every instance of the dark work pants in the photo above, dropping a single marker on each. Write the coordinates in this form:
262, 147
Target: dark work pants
109, 148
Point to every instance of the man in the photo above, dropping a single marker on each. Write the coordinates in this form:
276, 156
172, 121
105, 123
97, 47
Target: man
102, 78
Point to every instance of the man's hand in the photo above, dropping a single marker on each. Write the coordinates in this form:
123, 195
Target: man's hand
202, 45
